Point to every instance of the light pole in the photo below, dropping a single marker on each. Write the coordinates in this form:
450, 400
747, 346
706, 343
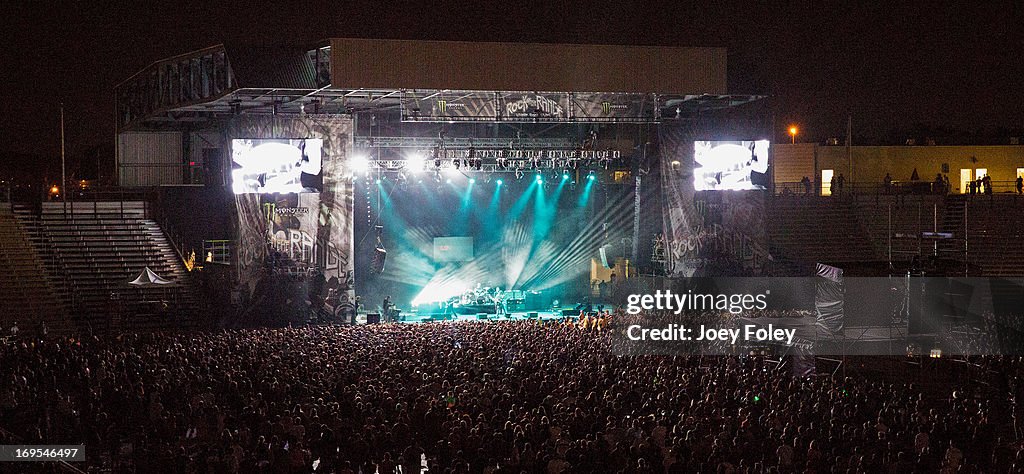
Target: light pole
792, 133
63, 177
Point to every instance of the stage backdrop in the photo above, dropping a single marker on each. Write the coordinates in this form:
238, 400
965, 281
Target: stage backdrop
293, 194
711, 232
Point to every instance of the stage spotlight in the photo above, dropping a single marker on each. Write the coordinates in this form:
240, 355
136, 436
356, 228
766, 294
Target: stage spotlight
415, 163
360, 164
449, 181
472, 180
540, 179
500, 182
456, 163
378, 180
590, 176
565, 175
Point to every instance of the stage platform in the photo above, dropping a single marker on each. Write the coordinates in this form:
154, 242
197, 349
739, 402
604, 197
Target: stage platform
413, 318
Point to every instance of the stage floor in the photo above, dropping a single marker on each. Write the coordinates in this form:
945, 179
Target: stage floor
516, 316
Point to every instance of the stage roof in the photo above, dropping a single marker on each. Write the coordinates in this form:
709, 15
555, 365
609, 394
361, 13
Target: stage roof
479, 66
430, 81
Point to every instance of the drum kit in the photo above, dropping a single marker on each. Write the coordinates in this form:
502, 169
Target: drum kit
477, 296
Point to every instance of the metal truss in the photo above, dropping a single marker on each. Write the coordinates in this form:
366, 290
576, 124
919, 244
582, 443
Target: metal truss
426, 143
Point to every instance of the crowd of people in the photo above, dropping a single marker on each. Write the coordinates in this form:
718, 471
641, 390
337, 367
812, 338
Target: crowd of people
522, 396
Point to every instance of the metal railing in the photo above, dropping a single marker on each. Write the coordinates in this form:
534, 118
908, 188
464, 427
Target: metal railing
893, 187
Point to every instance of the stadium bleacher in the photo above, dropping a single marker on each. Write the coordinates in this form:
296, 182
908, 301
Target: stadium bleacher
29, 297
813, 229
857, 229
93, 249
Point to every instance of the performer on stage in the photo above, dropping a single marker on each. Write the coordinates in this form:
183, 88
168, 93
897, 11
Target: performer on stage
499, 303
387, 309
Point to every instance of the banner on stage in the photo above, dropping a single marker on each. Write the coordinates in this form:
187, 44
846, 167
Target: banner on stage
476, 106
294, 206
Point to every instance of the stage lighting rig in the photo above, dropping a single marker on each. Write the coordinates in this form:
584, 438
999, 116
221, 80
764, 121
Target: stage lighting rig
415, 162
360, 164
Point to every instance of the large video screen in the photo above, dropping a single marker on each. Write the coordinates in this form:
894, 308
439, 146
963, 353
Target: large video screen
268, 166
730, 165
453, 249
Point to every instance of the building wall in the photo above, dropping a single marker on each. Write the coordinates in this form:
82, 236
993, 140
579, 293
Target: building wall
401, 64
792, 162
871, 163
149, 158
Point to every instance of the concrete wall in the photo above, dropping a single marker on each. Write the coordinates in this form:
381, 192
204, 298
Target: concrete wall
792, 162
871, 163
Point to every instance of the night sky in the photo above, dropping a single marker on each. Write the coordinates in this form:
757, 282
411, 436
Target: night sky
955, 67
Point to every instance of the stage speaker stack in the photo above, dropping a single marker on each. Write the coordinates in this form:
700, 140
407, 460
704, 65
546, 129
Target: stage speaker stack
373, 318
514, 305
481, 316
380, 255
535, 300
532, 315
570, 312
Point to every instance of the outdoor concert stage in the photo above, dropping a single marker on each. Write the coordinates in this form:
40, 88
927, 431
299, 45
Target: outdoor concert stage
499, 165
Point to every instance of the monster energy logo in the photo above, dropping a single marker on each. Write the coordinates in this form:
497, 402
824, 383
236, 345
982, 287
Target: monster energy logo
443, 106
607, 107
269, 209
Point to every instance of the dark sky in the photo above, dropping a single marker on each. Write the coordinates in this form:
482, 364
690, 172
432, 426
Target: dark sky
953, 65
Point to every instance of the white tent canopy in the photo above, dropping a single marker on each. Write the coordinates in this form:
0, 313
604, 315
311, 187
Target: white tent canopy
149, 278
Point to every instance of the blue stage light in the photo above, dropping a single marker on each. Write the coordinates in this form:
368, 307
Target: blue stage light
472, 180
500, 182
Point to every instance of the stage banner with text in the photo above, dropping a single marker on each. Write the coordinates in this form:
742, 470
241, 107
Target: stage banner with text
707, 233
294, 200
456, 106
